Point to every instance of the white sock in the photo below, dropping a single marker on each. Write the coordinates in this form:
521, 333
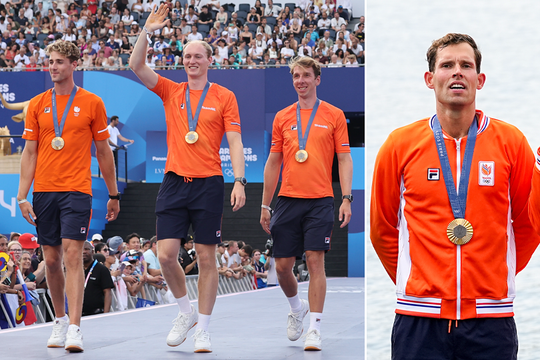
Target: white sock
315, 321
64, 318
184, 304
296, 304
73, 327
203, 322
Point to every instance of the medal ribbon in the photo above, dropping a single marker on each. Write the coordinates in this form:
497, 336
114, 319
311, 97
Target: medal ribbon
458, 201
303, 140
90, 273
58, 129
192, 122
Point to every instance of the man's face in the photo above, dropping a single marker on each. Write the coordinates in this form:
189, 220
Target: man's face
189, 245
194, 29
221, 249
60, 67
326, 35
88, 251
454, 78
233, 248
134, 243
336, 15
196, 60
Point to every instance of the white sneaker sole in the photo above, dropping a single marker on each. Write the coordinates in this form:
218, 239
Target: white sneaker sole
74, 348
174, 344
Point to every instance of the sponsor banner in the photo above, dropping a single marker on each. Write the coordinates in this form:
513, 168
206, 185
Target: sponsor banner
254, 156
12, 219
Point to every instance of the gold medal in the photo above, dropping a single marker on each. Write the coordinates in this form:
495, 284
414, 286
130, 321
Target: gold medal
301, 156
57, 143
192, 137
459, 231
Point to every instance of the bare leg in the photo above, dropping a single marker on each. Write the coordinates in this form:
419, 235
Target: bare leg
172, 271
74, 278
317, 280
208, 277
55, 277
285, 275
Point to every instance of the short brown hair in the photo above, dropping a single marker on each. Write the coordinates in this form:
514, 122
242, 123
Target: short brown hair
452, 39
305, 62
65, 48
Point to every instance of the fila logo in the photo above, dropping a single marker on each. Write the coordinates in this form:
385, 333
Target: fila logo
327, 240
293, 128
486, 173
47, 110
218, 233
182, 106
433, 174
83, 230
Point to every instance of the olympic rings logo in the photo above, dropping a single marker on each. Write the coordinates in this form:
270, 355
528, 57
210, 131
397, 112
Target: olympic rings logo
229, 172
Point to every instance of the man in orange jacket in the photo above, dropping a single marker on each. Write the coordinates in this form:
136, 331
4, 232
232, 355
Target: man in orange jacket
449, 218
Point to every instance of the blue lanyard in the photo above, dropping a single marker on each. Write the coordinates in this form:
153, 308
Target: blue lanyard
89, 273
192, 122
58, 129
458, 201
302, 140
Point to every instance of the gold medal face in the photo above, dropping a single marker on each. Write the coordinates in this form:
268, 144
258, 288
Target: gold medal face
301, 156
192, 137
459, 231
57, 143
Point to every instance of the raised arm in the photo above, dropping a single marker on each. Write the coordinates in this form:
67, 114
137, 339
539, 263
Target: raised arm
137, 61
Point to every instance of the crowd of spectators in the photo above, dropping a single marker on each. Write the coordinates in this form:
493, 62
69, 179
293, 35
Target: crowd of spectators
125, 265
248, 36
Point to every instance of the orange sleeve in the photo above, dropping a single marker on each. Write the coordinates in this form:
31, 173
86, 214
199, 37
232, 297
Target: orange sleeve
99, 121
231, 116
534, 198
162, 87
520, 182
385, 201
31, 126
341, 134
277, 136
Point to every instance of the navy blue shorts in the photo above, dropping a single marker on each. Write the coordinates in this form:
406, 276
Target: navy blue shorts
301, 224
183, 201
419, 338
62, 215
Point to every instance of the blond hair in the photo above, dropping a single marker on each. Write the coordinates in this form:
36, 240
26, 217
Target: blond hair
207, 46
65, 48
306, 62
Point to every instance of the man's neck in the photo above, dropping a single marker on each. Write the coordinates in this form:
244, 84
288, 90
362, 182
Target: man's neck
456, 123
65, 87
309, 102
87, 264
197, 83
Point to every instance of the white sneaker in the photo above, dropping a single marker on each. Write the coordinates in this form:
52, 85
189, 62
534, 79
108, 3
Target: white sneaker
202, 341
182, 324
58, 336
74, 340
313, 341
295, 325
